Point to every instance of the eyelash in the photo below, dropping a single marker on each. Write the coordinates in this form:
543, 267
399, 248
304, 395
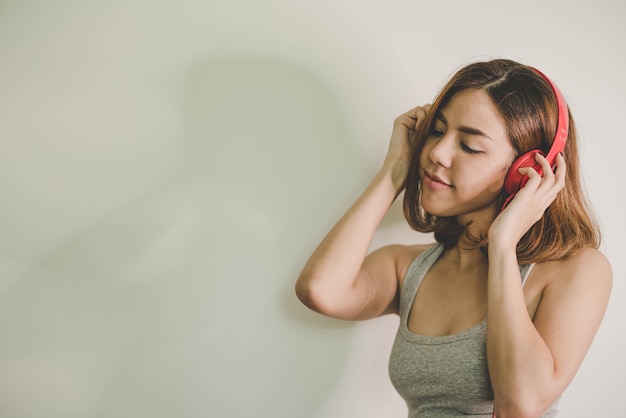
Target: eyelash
469, 150
437, 134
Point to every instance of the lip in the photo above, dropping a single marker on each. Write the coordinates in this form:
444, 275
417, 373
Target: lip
434, 182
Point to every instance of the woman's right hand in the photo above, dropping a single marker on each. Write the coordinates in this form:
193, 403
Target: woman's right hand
402, 140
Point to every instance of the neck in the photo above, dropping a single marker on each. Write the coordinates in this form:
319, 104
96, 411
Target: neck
466, 254
464, 258
478, 224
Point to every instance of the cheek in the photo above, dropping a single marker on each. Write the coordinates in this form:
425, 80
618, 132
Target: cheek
499, 177
424, 153
487, 180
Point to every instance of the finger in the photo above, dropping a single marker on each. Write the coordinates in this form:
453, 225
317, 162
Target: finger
534, 179
561, 170
411, 118
544, 187
426, 109
552, 183
407, 120
416, 112
420, 114
417, 115
546, 169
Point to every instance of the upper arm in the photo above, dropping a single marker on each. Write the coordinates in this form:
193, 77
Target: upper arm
377, 286
374, 291
571, 310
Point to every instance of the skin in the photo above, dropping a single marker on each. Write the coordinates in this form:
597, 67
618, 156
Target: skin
537, 334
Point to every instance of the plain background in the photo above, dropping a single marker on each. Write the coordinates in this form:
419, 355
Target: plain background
166, 167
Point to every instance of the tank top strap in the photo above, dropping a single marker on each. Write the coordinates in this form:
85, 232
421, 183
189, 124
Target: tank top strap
414, 275
525, 270
418, 269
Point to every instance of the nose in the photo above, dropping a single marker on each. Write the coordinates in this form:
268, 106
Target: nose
440, 152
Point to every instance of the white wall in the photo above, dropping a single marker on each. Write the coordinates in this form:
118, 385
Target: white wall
166, 167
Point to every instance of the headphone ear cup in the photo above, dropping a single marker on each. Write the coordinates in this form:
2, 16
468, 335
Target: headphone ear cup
514, 181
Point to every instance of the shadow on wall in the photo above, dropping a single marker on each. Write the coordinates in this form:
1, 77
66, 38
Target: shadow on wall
180, 302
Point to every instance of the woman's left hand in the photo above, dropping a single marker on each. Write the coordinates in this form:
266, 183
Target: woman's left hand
529, 204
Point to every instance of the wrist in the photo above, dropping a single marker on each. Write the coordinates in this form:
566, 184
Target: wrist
396, 171
498, 247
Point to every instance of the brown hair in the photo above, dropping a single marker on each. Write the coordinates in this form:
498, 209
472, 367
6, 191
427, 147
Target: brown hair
528, 106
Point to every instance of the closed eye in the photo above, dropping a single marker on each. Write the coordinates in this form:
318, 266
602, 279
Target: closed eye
436, 132
469, 150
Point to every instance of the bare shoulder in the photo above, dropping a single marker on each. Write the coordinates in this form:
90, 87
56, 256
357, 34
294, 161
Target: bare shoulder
575, 296
580, 284
381, 277
589, 267
404, 255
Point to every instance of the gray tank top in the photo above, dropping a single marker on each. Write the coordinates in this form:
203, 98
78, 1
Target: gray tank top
442, 376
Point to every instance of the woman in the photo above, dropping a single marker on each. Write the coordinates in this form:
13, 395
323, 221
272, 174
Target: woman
497, 316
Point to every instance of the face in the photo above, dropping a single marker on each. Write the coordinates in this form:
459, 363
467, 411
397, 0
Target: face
465, 158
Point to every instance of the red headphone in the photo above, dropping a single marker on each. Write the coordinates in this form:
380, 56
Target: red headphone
514, 181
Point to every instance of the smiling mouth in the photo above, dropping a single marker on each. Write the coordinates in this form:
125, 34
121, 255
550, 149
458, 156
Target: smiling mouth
435, 178
435, 182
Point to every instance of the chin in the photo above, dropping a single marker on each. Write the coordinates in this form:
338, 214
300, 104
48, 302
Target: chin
441, 211
466, 210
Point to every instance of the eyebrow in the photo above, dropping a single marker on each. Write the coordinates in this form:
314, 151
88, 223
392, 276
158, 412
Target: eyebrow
465, 129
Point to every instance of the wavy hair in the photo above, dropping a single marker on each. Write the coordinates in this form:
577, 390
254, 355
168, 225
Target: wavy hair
528, 106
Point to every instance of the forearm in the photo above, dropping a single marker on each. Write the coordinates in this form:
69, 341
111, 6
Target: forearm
328, 278
521, 366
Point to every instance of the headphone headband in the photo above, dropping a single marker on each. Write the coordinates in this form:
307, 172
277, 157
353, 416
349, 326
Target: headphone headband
562, 127
514, 180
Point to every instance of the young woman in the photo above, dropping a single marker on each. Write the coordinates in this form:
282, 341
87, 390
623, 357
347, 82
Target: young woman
497, 316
